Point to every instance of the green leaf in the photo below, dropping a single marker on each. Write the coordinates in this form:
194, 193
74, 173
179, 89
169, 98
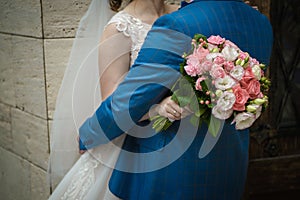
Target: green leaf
194, 120
200, 112
184, 100
198, 36
214, 126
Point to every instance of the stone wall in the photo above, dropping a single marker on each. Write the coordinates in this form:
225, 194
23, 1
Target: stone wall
35, 40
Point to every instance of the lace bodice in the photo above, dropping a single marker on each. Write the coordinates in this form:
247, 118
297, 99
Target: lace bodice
131, 27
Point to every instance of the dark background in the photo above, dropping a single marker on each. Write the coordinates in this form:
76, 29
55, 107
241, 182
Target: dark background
274, 168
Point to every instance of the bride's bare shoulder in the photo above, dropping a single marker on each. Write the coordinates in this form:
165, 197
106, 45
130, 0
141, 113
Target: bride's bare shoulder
172, 8
110, 30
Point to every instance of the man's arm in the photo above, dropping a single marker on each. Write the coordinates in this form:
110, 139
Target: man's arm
148, 81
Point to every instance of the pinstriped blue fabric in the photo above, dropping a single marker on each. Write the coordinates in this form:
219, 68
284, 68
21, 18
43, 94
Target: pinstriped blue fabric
222, 173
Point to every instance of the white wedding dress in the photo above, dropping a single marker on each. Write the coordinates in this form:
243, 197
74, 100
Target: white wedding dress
88, 178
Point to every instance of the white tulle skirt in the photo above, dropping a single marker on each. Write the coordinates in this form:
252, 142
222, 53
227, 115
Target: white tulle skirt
88, 178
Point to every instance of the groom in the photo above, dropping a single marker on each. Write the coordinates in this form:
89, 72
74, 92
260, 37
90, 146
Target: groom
166, 165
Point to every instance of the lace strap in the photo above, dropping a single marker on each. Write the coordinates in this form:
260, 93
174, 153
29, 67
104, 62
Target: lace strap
126, 23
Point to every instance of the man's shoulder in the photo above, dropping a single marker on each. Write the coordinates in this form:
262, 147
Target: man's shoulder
172, 21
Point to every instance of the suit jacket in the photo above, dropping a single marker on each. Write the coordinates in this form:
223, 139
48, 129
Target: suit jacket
166, 165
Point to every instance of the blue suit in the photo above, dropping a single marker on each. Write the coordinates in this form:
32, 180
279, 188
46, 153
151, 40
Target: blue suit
163, 173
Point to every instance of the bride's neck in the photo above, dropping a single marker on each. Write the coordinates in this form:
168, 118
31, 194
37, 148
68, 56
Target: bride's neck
147, 9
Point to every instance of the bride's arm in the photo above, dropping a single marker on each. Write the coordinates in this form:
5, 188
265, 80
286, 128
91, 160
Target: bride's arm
114, 59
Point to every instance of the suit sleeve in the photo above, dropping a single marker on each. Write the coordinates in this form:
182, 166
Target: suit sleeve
147, 83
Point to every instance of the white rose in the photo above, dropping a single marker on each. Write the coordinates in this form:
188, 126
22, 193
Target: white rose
224, 83
258, 112
244, 120
212, 56
211, 46
219, 113
257, 72
230, 53
219, 93
226, 100
237, 72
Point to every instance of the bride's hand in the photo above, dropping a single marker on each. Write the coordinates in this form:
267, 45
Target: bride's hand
80, 151
253, 6
170, 109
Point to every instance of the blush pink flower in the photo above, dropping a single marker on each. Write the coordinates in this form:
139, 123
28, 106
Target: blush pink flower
253, 62
217, 72
206, 65
198, 83
228, 43
241, 98
228, 66
243, 55
219, 60
193, 66
216, 40
201, 53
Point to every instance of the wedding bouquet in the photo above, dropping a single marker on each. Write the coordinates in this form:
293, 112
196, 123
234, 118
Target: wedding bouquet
226, 82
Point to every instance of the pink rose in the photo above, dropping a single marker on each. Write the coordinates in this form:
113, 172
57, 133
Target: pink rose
241, 98
217, 72
248, 76
219, 60
216, 40
228, 66
198, 83
253, 89
250, 83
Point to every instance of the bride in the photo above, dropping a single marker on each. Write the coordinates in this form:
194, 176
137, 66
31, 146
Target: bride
110, 41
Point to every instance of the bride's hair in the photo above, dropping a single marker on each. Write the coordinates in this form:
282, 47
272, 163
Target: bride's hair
115, 5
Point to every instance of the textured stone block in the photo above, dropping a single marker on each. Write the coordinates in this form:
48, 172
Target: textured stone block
5, 127
20, 180
14, 177
30, 137
21, 17
27, 61
57, 53
61, 18
6, 71
39, 186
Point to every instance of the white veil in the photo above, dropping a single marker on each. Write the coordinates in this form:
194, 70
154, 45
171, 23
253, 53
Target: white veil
79, 94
